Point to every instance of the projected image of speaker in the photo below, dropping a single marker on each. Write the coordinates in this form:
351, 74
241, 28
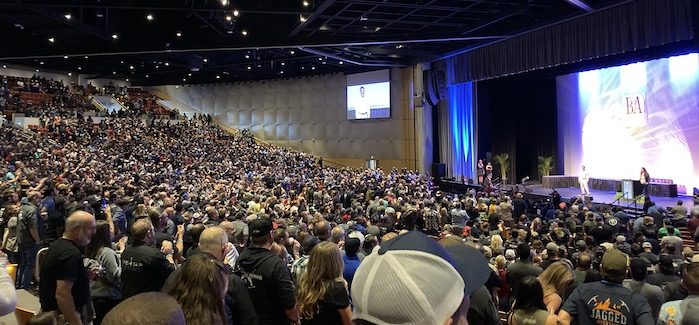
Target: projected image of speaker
369, 95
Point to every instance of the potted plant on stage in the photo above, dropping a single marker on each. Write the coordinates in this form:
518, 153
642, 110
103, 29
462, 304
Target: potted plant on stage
503, 161
546, 164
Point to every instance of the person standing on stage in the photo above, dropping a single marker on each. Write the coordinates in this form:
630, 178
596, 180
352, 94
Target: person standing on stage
584, 179
480, 170
645, 179
488, 169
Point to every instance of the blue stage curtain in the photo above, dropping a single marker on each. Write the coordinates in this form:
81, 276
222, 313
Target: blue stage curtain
457, 131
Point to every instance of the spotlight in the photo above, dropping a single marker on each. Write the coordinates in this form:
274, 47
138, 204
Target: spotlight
341, 62
115, 36
113, 72
65, 56
229, 18
147, 76
70, 74
247, 56
51, 39
184, 79
127, 79
131, 67
189, 75
179, 34
167, 64
236, 13
37, 70
68, 16
80, 68
283, 64
224, 2
149, 17
292, 52
302, 18
4, 66
86, 56
249, 68
42, 62
218, 77
281, 72
206, 60
306, 4
245, 33
313, 68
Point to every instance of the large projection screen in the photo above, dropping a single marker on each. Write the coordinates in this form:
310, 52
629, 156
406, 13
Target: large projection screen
619, 119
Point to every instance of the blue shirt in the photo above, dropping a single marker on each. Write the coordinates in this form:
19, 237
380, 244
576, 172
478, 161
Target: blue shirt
351, 265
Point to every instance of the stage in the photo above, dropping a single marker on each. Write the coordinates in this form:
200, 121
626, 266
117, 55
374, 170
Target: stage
605, 197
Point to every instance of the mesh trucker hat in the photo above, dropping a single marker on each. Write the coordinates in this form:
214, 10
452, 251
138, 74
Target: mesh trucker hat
408, 280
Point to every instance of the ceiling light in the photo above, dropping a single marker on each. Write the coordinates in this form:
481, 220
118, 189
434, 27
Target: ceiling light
115, 36
259, 66
70, 74
302, 18
341, 62
218, 77
42, 62
236, 13
206, 60
282, 72
4, 66
313, 68
184, 79
68, 16
229, 32
51, 39
303, 68
178, 34
131, 67
283, 64
80, 68
245, 33
86, 56
249, 67
229, 18
306, 4
363, 18
127, 79
189, 74
113, 72
247, 56
320, 59
157, 67
224, 2
167, 64
177, 86
292, 52
122, 61
324, 62
147, 76
65, 56
149, 17
37, 70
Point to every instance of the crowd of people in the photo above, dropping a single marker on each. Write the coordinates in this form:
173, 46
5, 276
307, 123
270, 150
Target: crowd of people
147, 221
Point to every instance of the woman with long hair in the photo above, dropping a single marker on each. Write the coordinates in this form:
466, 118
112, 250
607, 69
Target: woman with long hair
554, 281
529, 307
322, 292
200, 289
105, 290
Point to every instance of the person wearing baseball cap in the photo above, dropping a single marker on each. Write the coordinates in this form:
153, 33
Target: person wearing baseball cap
397, 283
267, 277
607, 301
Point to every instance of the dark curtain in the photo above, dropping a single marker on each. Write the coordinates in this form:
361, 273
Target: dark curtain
517, 116
623, 28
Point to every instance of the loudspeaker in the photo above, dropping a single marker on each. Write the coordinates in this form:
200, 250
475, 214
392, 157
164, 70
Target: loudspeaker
439, 171
440, 84
431, 95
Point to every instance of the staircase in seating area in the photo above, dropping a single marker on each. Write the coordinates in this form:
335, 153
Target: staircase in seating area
688, 239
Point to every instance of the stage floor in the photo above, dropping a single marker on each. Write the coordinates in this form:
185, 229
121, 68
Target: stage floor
606, 197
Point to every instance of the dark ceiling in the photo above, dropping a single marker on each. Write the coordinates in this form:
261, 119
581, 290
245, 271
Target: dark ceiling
206, 41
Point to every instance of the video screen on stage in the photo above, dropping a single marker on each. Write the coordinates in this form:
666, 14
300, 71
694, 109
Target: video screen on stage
616, 120
369, 95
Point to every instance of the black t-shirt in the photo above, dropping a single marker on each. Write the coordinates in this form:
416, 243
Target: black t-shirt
143, 269
335, 298
63, 261
269, 283
54, 222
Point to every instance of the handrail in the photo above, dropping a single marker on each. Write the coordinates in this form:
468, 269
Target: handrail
98, 104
